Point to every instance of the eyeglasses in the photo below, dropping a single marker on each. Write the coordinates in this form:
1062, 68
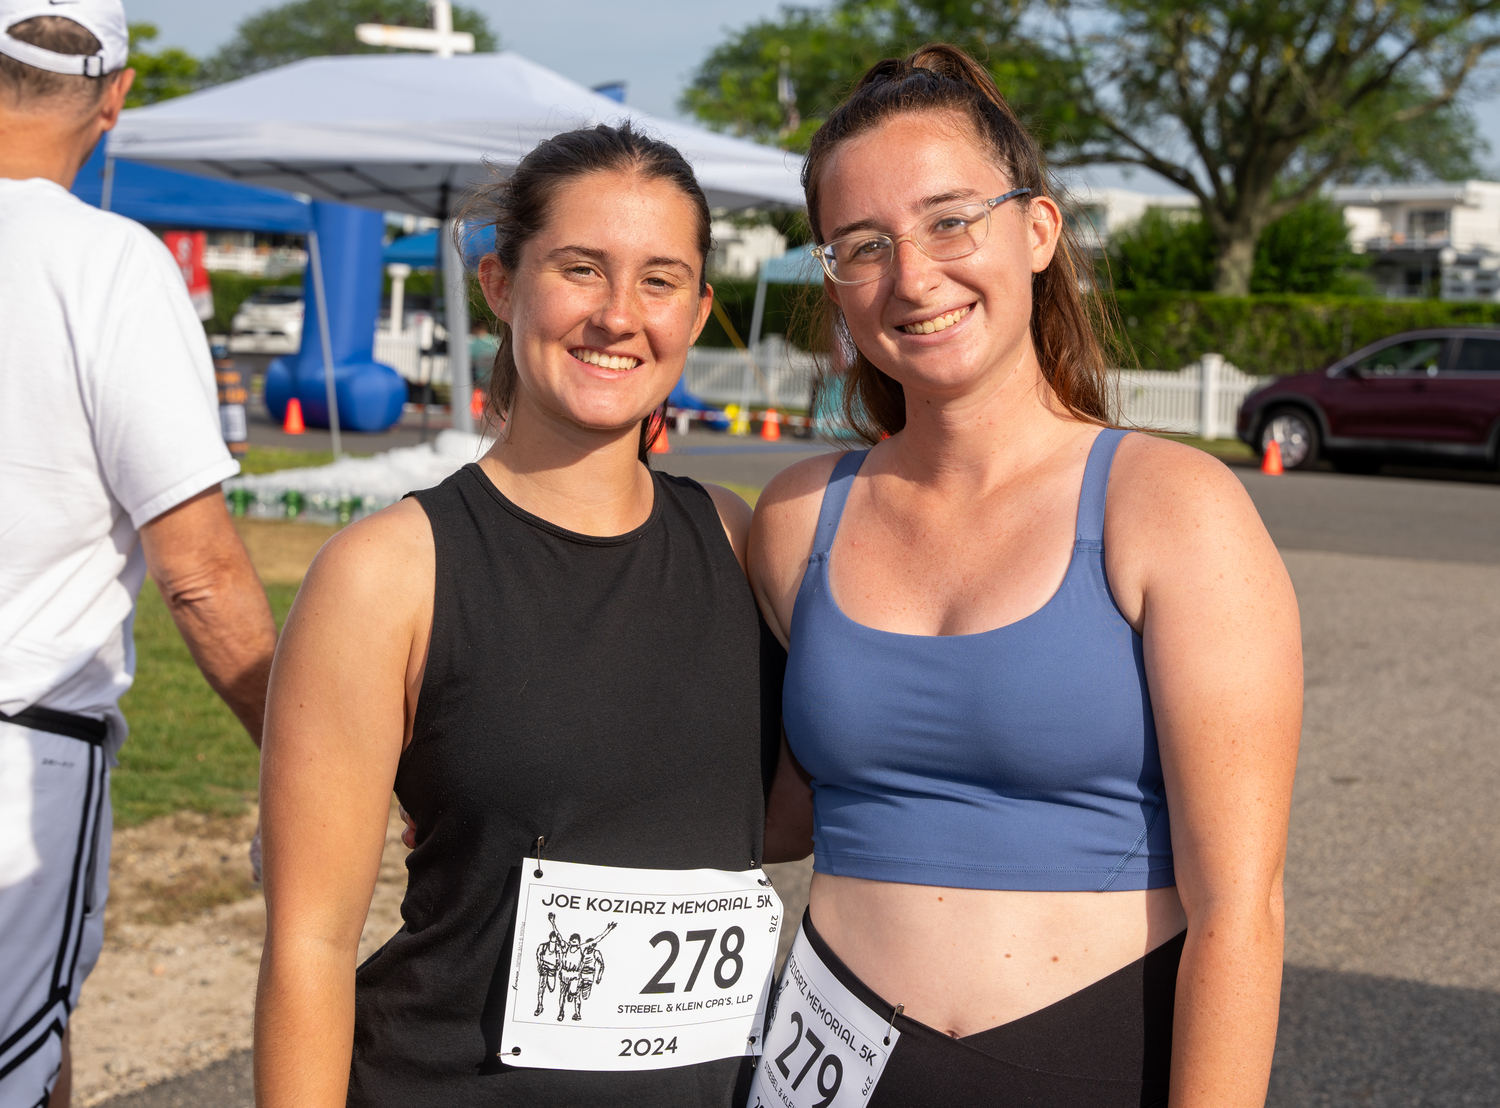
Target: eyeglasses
954, 232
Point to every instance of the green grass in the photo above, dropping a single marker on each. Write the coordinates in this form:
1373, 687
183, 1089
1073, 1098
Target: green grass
186, 750
268, 459
1226, 450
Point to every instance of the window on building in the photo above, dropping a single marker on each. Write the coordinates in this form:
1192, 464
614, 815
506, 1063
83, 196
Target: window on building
1430, 223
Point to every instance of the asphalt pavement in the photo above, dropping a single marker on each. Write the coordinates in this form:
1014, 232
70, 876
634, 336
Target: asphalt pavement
1391, 992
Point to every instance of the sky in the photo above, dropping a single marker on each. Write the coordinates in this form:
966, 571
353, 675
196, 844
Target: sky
654, 47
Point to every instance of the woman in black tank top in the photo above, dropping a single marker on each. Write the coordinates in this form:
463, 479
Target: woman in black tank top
554, 658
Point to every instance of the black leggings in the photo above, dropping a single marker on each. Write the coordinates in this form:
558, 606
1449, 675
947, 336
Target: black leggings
1106, 1046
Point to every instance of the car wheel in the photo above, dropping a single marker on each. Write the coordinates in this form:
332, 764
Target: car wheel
1296, 433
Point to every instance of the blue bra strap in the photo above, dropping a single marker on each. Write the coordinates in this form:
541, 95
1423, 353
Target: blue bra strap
840, 481
1096, 484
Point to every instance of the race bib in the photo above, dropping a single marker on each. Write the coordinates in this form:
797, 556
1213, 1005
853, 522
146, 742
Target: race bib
825, 1048
636, 969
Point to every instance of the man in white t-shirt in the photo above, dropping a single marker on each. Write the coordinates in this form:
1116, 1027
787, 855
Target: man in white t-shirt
110, 464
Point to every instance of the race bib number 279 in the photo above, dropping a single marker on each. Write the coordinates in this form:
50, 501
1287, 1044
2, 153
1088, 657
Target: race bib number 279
630, 969
825, 1047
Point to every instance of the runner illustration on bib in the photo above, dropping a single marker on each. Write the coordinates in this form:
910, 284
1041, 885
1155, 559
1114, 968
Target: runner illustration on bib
691, 958
578, 965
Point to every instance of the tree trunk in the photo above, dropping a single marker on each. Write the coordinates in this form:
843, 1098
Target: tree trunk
1235, 261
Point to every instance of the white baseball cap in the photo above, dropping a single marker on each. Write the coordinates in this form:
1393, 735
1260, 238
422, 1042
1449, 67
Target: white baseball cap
105, 19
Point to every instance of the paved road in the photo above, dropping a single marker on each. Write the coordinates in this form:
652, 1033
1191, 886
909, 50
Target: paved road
1392, 984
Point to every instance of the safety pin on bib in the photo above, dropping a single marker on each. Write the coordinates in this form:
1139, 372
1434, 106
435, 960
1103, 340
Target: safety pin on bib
541, 841
894, 1013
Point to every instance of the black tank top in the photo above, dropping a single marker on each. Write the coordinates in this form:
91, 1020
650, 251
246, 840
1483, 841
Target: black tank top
619, 696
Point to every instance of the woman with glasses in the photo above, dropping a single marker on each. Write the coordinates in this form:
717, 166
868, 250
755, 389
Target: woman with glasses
1044, 681
555, 659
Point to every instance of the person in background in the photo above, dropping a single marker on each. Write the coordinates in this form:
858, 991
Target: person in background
1044, 675
482, 346
110, 462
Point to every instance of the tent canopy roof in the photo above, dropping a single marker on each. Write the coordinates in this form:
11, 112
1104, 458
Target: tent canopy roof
163, 197
796, 267
410, 133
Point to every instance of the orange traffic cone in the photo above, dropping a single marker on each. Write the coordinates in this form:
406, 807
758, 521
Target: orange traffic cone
661, 445
293, 424
770, 425
1270, 464
476, 404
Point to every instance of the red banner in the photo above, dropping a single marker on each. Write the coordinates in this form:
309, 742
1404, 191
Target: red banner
188, 248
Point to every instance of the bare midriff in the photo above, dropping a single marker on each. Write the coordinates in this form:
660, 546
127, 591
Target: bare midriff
966, 960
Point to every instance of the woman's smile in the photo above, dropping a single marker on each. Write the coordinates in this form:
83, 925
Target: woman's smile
603, 360
932, 324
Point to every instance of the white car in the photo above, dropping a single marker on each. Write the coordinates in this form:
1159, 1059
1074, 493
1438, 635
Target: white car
269, 322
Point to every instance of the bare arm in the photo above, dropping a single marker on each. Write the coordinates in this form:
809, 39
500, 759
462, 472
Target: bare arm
780, 540
343, 689
1203, 582
206, 579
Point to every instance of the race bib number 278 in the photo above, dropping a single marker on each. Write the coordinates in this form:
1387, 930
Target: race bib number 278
630, 969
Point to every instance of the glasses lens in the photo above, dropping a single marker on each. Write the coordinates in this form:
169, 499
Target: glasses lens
954, 232
858, 258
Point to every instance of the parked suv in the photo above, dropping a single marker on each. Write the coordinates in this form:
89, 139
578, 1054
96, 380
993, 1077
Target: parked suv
269, 321
1429, 396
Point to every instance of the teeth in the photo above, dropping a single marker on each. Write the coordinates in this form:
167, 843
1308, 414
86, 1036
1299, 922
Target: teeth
942, 322
605, 361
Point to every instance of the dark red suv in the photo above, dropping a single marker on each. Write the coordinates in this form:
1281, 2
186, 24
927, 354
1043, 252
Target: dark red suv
1430, 396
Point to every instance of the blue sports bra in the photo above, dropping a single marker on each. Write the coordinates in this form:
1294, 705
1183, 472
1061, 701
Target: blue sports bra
1019, 758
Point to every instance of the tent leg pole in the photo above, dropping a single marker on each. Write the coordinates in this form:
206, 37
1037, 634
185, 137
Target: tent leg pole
107, 193
456, 290
315, 262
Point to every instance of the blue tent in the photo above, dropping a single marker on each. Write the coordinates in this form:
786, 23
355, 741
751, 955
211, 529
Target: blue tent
421, 250
166, 197
369, 394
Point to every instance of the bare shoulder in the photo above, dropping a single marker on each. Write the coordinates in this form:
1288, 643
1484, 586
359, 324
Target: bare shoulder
1162, 488
789, 505
387, 559
735, 515
781, 536
1178, 521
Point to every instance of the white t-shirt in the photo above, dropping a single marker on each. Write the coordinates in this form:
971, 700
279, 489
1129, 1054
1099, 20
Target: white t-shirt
108, 418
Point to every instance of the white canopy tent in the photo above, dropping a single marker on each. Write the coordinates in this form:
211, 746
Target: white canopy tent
410, 133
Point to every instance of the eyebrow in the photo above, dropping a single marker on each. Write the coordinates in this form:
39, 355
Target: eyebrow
953, 196
603, 255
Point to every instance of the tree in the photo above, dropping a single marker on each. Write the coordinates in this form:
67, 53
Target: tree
824, 50
1305, 251
160, 76
1255, 105
316, 28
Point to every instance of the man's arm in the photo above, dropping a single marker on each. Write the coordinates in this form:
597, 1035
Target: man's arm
205, 576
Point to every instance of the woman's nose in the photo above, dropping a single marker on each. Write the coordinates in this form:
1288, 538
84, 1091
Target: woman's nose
913, 271
620, 313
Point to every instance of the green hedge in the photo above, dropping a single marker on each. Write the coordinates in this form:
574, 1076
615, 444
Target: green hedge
1275, 334
230, 290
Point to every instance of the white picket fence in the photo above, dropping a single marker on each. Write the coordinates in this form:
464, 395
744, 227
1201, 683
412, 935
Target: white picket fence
1201, 399
779, 376
403, 353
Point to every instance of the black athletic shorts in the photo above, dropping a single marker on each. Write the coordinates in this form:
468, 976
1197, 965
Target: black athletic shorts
1106, 1046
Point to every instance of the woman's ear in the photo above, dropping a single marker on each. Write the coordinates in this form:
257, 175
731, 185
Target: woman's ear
1045, 220
495, 282
705, 306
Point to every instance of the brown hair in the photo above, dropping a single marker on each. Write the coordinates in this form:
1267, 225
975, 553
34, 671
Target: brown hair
1065, 325
519, 206
62, 36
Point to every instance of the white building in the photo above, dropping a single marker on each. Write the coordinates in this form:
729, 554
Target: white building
1096, 214
1424, 240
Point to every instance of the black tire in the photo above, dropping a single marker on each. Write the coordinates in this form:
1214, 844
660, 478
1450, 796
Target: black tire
1296, 431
